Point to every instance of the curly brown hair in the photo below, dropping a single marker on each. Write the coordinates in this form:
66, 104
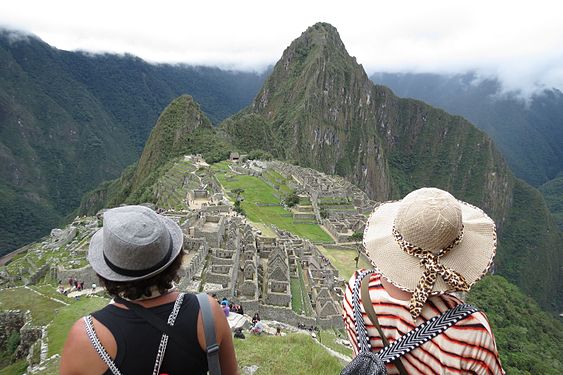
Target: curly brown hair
142, 288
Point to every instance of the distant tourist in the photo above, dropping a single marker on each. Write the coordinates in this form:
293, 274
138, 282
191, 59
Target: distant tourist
137, 255
226, 309
94, 286
257, 328
255, 318
278, 331
423, 248
239, 334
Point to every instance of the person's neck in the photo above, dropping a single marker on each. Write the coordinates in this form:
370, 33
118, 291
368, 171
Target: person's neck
156, 300
394, 291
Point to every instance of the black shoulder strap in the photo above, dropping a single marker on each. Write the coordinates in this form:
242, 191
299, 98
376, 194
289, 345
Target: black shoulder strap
210, 338
155, 321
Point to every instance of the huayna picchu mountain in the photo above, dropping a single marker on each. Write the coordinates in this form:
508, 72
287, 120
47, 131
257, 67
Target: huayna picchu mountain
319, 109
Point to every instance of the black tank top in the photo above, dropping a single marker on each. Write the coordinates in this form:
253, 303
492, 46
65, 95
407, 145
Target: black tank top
137, 340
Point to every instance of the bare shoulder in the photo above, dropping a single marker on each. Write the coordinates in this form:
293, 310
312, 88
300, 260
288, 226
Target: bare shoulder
75, 344
77, 336
79, 356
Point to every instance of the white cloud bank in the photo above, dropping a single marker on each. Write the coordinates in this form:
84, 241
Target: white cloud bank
520, 42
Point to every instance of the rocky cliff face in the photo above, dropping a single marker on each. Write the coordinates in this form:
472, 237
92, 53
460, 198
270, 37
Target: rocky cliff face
322, 111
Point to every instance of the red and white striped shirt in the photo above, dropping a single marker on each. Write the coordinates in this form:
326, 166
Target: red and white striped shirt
468, 347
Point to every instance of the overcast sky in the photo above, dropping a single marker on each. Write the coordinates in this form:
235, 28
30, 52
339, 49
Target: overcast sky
519, 41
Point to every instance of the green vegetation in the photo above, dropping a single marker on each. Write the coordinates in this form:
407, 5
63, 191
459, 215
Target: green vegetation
300, 355
261, 205
528, 260
307, 308
259, 154
292, 199
250, 133
66, 317
43, 309
528, 339
553, 194
10, 346
296, 296
17, 368
328, 338
344, 260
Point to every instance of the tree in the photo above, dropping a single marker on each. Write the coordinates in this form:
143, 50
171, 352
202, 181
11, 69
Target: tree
292, 199
238, 199
357, 237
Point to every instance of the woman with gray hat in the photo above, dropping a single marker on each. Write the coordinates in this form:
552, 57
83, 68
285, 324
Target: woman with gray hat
423, 248
137, 255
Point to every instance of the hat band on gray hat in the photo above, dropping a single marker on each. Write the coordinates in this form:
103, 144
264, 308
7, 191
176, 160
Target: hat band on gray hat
138, 273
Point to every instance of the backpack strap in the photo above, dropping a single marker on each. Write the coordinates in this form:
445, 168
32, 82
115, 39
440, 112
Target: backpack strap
210, 338
362, 337
426, 331
368, 307
98, 345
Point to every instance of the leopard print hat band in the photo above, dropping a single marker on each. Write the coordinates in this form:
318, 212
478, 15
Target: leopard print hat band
432, 269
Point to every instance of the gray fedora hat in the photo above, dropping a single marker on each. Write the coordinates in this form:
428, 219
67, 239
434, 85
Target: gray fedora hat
135, 243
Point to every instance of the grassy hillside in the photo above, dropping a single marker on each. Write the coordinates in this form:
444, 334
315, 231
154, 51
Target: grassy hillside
300, 355
523, 253
182, 129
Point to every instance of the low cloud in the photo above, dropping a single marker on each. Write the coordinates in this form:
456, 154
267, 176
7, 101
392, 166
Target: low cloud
520, 43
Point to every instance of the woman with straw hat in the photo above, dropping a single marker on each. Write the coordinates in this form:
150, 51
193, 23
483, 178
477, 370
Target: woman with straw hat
423, 248
148, 327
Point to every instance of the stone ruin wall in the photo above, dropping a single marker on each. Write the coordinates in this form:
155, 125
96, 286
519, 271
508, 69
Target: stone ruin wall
18, 321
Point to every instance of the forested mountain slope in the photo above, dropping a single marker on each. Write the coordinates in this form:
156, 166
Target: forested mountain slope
70, 120
529, 133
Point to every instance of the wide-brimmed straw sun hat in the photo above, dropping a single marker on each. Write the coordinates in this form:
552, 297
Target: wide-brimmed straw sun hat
135, 243
429, 243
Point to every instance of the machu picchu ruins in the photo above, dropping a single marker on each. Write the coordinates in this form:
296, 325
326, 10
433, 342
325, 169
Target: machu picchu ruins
282, 276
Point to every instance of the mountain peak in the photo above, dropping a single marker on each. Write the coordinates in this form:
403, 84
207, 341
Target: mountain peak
313, 63
321, 36
320, 33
